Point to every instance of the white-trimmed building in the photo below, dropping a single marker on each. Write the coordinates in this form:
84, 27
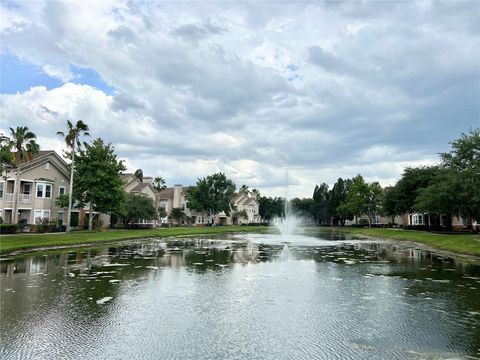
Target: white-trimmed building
40, 181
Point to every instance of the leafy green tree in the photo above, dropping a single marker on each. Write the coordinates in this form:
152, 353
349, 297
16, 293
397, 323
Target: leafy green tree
303, 207
177, 214
464, 162
401, 199
338, 199
440, 197
238, 215
139, 207
321, 199
7, 158
97, 179
212, 194
159, 183
138, 174
270, 207
243, 189
456, 187
62, 201
25, 145
72, 140
363, 198
162, 212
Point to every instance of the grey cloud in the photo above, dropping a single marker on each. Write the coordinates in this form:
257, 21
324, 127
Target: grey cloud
124, 102
123, 34
326, 60
197, 32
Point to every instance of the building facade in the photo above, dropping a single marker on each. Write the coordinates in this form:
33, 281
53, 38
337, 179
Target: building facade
28, 192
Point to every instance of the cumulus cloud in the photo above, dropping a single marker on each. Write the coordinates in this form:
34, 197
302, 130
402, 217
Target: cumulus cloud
258, 90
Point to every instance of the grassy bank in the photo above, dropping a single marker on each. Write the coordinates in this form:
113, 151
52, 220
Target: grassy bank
459, 243
10, 243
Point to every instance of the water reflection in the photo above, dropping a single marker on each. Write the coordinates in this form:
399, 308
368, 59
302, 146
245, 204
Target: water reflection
330, 297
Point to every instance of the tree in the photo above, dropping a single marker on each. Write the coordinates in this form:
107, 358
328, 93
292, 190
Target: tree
62, 201
270, 207
177, 214
363, 198
239, 215
338, 198
401, 199
25, 145
303, 207
159, 184
72, 140
97, 178
463, 162
138, 174
139, 207
321, 208
162, 212
7, 158
455, 188
213, 194
243, 189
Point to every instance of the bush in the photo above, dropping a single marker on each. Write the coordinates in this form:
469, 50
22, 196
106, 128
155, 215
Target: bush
8, 228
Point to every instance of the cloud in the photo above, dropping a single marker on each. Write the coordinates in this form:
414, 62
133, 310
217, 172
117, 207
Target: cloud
315, 90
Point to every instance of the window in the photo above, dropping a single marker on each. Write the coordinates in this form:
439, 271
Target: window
1, 189
417, 219
26, 189
44, 190
60, 218
62, 190
41, 216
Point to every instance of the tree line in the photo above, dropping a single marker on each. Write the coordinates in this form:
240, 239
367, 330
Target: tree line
451, 188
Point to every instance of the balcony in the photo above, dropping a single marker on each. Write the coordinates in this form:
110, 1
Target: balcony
25, 199
22, 198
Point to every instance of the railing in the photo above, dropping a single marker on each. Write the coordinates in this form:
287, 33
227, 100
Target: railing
9, 197
25, 199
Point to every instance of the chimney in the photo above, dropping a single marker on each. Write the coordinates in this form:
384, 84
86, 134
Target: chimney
177, 195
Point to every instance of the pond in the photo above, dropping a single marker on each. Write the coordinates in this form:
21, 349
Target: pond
245, 296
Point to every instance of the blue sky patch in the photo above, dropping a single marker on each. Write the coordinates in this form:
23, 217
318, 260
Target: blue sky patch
17, 75
88, 76
292, 67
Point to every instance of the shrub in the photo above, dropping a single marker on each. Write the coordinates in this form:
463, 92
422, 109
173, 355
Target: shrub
8, 228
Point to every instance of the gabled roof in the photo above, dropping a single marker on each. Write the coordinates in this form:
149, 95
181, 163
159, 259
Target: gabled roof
139, 187
166, 194
43, 157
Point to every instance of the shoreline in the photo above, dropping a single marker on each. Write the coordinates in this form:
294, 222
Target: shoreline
15, 244
83, 239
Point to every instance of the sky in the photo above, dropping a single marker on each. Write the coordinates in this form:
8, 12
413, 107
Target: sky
274, 94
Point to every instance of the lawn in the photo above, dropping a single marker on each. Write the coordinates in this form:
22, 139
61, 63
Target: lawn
9, 243
459, 243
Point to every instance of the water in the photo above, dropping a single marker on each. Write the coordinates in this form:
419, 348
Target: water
241, 297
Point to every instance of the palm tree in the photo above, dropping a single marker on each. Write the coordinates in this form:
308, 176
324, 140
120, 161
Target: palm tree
159, 183
72, 140
23, 140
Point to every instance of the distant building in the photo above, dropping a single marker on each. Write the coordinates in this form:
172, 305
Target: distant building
176, 197
144, 188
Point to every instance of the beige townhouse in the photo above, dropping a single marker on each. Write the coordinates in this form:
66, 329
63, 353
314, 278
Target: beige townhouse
132, 185
28, 192
176, 197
